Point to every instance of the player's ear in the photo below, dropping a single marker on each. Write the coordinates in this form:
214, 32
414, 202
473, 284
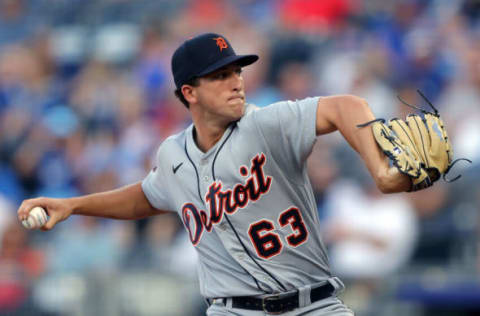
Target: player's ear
189, 93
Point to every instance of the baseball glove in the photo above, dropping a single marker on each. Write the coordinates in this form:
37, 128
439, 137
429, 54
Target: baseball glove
418, 147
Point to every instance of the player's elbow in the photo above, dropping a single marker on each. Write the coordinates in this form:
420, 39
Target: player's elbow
385, 187
382, 182
392, 181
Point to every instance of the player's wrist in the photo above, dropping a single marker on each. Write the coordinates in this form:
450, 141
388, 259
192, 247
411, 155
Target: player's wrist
73, 206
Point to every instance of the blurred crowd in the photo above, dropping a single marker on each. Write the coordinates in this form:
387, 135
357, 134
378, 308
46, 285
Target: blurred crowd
86, 97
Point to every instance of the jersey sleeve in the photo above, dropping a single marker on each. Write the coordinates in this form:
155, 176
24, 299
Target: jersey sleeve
289, 129
154, 187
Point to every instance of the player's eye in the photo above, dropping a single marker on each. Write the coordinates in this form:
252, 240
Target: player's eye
221, 75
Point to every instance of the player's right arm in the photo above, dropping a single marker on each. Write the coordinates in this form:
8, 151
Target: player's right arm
128, 202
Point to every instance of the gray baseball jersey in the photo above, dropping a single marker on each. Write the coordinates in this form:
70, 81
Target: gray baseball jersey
247, 203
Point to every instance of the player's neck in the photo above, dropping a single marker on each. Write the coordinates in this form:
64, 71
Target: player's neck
206, 136
209, 126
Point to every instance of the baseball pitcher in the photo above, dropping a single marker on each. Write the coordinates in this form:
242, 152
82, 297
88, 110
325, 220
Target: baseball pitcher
237, 178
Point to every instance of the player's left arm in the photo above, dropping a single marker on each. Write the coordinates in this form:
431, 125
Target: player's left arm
344, 113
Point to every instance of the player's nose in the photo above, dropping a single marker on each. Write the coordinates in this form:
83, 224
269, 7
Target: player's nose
237, 81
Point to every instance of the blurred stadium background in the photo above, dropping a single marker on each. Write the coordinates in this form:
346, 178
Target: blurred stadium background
86, 96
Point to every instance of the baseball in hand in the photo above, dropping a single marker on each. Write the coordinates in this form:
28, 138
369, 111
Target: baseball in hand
36, 219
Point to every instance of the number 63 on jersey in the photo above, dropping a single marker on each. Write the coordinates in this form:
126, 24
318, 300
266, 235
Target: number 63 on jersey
267, 243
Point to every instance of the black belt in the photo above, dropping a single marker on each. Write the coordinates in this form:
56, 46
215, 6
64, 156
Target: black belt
277, 304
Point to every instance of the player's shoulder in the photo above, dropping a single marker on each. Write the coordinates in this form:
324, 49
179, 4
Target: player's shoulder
253, 112
175, 141
179, 137
284, 103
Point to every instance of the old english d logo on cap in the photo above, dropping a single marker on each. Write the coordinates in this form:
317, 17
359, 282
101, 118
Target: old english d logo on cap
221, 42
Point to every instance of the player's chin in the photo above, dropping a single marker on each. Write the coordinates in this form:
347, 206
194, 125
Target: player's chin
239, 109
237, 106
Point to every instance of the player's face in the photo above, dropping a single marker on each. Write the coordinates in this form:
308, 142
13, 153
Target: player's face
222, 93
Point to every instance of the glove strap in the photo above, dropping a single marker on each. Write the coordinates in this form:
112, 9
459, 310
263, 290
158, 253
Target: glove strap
370, 122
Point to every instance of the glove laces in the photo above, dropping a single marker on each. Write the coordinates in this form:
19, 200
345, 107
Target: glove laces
435, 111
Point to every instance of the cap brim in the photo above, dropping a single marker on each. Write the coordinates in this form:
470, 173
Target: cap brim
241, 60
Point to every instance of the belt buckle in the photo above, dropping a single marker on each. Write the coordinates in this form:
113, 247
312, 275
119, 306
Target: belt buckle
265, 301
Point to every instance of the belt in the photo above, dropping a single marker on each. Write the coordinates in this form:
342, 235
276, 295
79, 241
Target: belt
282, 302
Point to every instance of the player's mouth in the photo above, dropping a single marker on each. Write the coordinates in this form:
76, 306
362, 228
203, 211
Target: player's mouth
236, 98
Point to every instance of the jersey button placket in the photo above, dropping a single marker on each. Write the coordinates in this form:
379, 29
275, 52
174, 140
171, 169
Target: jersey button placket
264, 278
204, 175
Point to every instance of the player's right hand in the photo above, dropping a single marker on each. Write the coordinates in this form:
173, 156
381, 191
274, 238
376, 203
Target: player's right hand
57, 209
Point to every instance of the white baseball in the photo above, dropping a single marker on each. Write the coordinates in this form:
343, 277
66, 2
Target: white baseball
36, 218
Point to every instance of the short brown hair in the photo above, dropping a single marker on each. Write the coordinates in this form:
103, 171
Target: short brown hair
194, 82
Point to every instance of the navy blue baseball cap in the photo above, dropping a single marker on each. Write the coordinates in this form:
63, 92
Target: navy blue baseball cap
204, 54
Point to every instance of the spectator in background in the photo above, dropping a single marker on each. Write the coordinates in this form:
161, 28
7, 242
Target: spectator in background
461, 99
369, 235
370, 78
288, 76
6, 209
438, 229
163, 248
18, 18
20, 266
86, 247
322, 170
